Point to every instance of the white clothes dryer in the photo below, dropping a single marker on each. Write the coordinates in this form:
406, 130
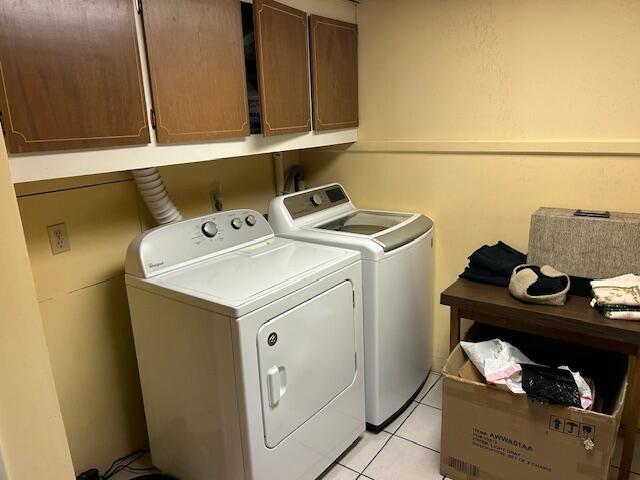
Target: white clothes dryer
249, 349
397, 266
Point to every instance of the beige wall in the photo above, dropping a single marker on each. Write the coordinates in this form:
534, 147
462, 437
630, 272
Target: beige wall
82, 296
499, 69
32, 438
493, 72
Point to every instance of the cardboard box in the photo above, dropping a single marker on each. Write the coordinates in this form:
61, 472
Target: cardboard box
492, 434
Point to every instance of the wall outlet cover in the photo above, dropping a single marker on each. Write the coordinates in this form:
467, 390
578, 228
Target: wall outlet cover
58, 238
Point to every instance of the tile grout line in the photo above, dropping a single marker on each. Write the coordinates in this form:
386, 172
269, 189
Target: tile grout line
348, 468
391, 435
429, 391
410, 413
377, 453
413, 441
416, 443
431, 387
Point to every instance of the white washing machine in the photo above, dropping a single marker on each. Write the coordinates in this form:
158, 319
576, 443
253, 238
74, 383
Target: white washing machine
397, 265
249, 349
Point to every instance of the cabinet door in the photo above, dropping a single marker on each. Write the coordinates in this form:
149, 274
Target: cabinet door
283, 64
196, 65
71, 75
334, 70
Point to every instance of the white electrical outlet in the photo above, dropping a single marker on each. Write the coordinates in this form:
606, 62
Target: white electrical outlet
58, 238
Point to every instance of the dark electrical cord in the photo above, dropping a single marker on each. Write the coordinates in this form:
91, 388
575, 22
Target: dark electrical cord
124, 463
142, 470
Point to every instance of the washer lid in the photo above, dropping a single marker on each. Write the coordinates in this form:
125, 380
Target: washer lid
246, 279
365, 222
396, 238
390, 230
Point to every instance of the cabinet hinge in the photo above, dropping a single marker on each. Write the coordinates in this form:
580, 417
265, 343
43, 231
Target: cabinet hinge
152, 113
140, 7
353, 298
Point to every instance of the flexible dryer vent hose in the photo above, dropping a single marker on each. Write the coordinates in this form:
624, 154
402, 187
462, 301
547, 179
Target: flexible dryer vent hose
156, 196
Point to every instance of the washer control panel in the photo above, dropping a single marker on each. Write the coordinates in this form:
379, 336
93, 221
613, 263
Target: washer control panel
163, 248
311, 201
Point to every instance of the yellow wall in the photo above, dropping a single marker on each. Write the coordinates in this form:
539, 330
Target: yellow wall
82, 296
499, 69
32, 438
440, 77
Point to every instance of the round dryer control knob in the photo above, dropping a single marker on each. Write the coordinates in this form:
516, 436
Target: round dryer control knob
250, 220
209, 229
236, 223
316, 200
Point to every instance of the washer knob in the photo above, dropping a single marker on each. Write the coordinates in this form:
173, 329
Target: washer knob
250, 220
236, 223
316, 199
209, 229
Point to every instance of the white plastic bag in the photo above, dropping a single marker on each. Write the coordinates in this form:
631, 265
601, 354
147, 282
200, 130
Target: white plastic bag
499, 362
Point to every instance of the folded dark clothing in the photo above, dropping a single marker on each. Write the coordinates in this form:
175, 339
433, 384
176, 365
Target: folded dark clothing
580, 286
499, 258
485, 276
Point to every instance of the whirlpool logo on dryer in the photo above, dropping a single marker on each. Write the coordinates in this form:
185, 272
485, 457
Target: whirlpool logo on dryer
155, 265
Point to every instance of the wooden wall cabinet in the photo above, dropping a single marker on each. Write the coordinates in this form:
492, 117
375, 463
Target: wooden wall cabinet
70, 75
282, 55
71, 79
334, 71
196, 64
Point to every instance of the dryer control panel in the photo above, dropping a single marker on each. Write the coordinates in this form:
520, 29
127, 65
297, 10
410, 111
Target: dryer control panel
168, 246
311, 201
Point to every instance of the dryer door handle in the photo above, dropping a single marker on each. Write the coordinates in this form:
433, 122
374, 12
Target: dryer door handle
276, 384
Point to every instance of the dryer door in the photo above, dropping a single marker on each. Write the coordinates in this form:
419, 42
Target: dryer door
306, 358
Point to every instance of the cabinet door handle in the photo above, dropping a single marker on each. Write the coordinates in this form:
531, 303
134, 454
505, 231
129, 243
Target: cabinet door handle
276, 384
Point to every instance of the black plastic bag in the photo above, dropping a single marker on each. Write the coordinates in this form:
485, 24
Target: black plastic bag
546, 385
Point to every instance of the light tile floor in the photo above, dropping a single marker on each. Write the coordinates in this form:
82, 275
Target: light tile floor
408, 449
